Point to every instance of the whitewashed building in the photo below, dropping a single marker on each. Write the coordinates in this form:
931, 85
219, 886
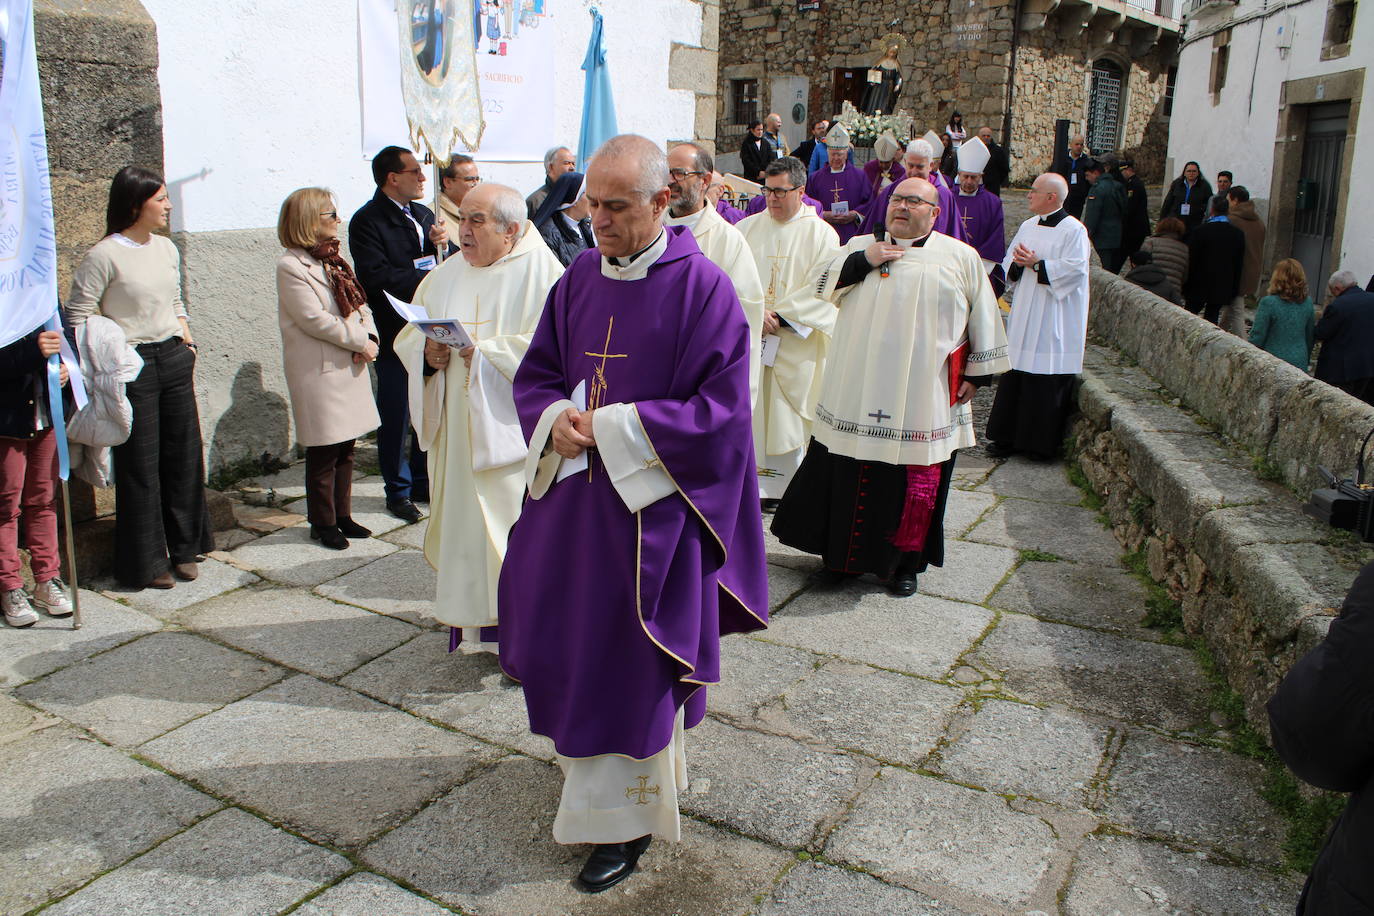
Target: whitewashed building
1272, 91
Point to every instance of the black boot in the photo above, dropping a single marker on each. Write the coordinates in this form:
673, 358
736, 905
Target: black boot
611, 863
330, 536
902, 584
351, 529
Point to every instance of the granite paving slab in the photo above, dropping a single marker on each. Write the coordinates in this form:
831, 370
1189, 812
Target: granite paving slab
1102, 597
894, 717
369, 507
970, 573
766, 786
71, 808
1070, 532
335, 765
299, 630
860, 621
215, 578
232, 863
412, 536
816, 889
754, 672
1123, 678
51, 643
963, 508
366, 894
1043, 481
400, 585
225, 541
150, 686
289, 556
464, 690
779, 554
921, 832
1050, 754
16, 718
971, 470
487, 847
784, 584
265, 519
1119, 874
1198, 794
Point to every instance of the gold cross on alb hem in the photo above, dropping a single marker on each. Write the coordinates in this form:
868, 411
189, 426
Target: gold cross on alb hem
641, 790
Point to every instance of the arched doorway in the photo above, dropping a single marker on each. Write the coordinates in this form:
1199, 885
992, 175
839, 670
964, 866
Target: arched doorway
1105, 102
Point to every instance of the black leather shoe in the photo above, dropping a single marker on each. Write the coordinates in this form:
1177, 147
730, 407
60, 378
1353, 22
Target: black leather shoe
903, 584
768, 505
330, 536
351, 529
405, 510
611, 863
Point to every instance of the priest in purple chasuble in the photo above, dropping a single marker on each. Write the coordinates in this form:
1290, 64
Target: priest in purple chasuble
884, 169
920, 162
641, 542
918, 331
841, 187
980, 212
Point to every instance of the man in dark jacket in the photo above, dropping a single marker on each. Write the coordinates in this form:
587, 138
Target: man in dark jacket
1072, 167
1136, 228
1104, 214
1346, 330
1146, 274
1216, 255
393, 240
1322, 723
999, 163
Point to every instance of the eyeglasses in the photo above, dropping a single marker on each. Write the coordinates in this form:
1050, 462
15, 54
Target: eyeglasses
330, 214
415, 171
679, 174
912, 200
471, 179
780, 192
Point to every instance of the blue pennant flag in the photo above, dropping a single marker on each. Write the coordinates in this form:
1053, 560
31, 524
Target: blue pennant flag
598, 104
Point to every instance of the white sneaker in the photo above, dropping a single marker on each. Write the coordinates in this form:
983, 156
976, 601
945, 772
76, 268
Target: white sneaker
18, 611
52, 597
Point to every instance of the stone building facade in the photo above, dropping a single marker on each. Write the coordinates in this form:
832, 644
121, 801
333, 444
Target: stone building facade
1104, 66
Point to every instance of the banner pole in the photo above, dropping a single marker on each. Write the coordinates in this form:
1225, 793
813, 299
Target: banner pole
71, 556
438, 211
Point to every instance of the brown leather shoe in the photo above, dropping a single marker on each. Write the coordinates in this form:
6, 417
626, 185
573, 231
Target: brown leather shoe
186, 572
161, 581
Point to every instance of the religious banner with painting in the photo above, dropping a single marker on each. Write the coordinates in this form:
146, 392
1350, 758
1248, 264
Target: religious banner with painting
513, 43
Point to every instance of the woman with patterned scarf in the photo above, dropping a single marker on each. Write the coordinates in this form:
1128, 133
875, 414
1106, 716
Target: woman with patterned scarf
328, 339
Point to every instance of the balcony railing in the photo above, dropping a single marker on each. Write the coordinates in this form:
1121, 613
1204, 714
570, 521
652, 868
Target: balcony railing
1194, 8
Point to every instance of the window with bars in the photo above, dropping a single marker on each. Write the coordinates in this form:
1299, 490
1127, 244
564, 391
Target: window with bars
744, 96
1104, 107
1340, 24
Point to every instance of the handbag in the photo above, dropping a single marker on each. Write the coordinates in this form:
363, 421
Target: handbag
1345, 503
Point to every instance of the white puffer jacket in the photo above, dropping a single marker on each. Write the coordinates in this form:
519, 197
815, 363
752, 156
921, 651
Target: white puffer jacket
108, 362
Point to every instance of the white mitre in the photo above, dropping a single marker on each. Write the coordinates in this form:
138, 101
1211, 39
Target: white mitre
973, 156
838, 138
934, 140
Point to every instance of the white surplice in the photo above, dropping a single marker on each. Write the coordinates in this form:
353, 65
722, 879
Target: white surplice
466, 418
789, 255
886, 392
1049, 323
726, 248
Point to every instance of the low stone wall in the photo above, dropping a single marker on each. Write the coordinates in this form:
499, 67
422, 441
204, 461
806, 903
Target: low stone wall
1176, 418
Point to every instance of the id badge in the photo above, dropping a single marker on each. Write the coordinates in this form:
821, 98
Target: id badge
425, 263
1073, 178
1185, 209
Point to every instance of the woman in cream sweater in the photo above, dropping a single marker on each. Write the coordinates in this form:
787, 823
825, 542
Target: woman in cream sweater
133, 277
327, 341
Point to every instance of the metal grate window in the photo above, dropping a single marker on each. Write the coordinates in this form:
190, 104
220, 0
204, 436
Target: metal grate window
1104, 107
745, 94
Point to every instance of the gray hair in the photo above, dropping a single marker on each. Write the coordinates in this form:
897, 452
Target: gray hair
651, 164
1342, 280
507, 206
552, 154
701, 159
920, 147
791, 167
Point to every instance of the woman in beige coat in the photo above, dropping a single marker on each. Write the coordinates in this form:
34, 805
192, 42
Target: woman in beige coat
328, 339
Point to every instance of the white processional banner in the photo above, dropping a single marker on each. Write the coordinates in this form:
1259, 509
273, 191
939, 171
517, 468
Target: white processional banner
515, 65
28, 245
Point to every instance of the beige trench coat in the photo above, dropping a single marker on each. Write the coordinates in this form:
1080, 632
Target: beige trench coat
331, 395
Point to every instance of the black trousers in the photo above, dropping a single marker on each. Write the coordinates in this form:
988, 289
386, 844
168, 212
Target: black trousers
1029, 412
160, 512
329, 483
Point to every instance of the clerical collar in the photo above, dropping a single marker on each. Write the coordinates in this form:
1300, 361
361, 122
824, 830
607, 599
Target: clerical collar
913, 243
837, 171
1054, 219
962, 194
692, 220
636, 266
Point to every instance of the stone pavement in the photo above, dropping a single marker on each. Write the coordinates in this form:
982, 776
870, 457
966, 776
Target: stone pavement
289, 734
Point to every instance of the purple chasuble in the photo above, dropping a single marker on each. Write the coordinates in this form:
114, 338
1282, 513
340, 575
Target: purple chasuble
946, 223
980, 216
759, 203
611, 620
728, 210
849, 186
873, 171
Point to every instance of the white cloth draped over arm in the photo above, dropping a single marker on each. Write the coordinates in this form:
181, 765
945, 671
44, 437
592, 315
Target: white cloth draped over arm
1068, 272
631, 463
495, 426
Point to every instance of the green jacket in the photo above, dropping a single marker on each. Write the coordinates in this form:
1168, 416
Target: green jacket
1105, 212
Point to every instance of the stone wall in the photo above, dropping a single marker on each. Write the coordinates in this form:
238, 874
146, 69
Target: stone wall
959, 57
1178, 422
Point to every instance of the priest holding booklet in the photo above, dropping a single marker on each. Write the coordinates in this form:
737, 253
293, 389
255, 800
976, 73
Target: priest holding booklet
461, 400
918, 331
